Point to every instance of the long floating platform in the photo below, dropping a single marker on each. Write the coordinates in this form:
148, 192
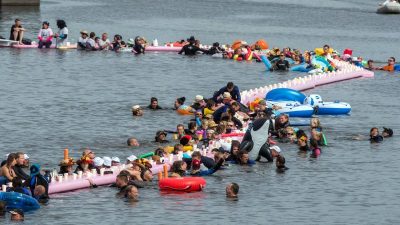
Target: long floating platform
346, 71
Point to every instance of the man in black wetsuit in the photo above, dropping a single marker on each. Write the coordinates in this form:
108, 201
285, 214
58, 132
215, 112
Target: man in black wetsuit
282, 64
18, 168
191, 48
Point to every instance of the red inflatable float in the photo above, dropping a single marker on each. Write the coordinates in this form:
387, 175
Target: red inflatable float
184, 184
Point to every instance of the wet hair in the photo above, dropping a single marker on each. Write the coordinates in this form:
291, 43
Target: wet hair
61, 24
314, 143
181, 100
153, 99
177, 167
388, 131
372, 130
17, 20
129, 141
235, 143
230, 85
318, 122
124, 173
370, 61
45, 22
180, 125
394, 60
235, 188
11, 157
123, 177
300, 133
280, 161
92, 35
326, 46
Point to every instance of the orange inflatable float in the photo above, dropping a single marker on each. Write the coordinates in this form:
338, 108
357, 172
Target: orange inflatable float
184, 184
261, 44
237, 44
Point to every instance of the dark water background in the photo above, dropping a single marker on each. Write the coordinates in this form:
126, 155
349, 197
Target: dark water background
52, 99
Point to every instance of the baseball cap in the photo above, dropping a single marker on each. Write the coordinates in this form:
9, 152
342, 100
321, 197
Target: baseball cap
276, 148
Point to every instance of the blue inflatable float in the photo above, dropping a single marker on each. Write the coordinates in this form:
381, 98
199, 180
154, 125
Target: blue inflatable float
302, 68
15, 200
285, 94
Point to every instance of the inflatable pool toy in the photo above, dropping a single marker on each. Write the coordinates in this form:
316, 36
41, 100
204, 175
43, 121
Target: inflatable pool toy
345, 71
184, 110
389, 8
7, 43
304, 67
296, 104
149, 154
182, 184
292, 108
327, 108
285, 94
256, 136
163, 48
71, 46
15, 200
261, 44
290, 60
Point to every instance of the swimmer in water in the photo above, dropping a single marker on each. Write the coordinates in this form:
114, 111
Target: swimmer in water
280, 164
374, 135
387, 132
232, 190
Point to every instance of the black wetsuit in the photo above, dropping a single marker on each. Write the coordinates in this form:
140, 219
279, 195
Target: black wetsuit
214, 50
139, 49
190, 49
150, 107
282, 65
21, 173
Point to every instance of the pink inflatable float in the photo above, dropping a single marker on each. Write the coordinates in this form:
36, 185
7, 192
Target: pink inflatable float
346, 71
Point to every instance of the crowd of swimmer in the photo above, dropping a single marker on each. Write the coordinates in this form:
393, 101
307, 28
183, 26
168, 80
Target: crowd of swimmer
239, 50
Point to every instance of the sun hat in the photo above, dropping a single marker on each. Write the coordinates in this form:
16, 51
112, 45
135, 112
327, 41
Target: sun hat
98, 161
107, 161
131, 158
227, 95
115, 159
84, 32
198, 98
276, 148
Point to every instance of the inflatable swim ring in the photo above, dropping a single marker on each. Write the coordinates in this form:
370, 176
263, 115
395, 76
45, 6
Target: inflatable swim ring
15, 200
184, 110
182, 184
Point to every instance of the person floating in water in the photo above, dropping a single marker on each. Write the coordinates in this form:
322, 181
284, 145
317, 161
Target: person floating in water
191, 48
374, 135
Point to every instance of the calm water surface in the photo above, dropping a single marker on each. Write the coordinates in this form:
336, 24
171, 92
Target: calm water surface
51, 100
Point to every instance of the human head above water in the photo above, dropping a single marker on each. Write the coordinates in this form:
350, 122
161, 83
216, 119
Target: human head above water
232, 190
387, 132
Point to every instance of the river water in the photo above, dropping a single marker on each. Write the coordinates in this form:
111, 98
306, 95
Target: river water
51, 100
